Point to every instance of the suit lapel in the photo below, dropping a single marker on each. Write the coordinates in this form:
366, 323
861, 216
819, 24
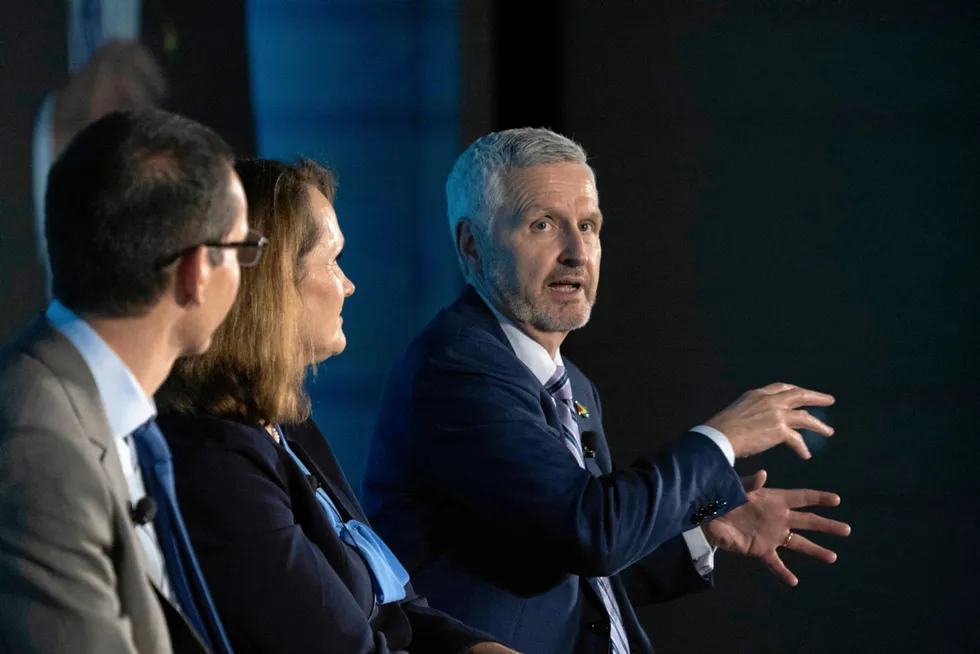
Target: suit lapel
475, 311
183, 636
58, 353
472, 307
50, 346
312, 448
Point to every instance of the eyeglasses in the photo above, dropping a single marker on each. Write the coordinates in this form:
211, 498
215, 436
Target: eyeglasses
249, 250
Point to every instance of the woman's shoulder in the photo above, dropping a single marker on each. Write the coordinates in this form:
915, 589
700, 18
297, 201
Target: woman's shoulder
214, 434
238, 469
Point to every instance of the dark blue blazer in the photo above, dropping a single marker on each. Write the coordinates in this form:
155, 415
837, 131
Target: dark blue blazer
470, 484
280, 577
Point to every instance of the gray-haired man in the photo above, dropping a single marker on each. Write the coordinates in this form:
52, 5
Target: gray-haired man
490, 475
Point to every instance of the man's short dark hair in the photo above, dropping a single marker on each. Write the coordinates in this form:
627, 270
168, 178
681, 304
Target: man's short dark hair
129, 192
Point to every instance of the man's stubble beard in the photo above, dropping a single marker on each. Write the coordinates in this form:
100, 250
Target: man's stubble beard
505, 293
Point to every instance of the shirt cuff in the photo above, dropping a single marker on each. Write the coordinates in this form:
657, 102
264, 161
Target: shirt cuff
702, 553
718, 439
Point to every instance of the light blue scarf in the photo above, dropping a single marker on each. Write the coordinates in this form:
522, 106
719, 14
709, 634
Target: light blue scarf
387, 573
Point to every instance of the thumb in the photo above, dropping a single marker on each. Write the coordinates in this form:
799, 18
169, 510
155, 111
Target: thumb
755, 481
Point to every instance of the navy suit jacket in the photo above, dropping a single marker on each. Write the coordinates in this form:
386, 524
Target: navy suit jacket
471, 485
280, 577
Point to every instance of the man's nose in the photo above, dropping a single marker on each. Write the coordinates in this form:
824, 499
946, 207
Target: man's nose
575, 250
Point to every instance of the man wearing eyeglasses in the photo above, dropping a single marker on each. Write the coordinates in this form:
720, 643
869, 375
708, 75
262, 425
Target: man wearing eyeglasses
146, 229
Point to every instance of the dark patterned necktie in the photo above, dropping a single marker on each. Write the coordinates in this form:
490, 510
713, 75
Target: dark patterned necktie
561, 390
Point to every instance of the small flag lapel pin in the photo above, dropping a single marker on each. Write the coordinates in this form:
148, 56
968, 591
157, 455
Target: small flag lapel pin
581, 410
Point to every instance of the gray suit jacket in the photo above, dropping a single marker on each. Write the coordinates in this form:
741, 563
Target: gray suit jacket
72, 573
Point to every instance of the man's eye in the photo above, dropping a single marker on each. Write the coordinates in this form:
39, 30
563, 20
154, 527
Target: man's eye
541, 225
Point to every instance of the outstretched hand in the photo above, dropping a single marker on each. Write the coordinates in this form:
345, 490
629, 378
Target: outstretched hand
767, 416
765, 522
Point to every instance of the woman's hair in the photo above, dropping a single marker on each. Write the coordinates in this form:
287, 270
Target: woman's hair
254, 370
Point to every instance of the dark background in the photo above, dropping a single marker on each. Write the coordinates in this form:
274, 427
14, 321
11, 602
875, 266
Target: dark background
790, 193
28, 63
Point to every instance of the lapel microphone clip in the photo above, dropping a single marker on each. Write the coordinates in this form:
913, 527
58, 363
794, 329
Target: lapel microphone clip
143, 511
588, 444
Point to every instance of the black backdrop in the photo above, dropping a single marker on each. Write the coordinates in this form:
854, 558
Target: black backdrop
791, 194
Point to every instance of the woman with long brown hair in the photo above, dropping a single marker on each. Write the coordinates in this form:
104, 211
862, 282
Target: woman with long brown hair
292, 563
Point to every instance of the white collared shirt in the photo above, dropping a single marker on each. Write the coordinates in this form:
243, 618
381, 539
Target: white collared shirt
541, 364
126, 407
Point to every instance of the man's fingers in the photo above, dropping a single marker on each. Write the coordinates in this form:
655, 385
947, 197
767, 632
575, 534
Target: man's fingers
778, 568
801, 497
795, 441
813, 522
800, 419
804, 545
779, 387
755, 481
796, 397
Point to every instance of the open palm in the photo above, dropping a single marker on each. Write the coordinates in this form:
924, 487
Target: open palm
761, 525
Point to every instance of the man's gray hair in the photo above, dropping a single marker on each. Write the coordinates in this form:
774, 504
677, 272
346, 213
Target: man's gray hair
475, 188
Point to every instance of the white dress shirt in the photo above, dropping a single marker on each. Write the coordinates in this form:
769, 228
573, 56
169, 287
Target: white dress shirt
126, 408
533, 355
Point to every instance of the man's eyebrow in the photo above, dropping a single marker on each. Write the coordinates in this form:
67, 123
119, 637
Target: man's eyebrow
536, 208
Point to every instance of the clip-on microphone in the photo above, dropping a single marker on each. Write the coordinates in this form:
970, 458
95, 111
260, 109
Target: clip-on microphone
143, 511
588, 444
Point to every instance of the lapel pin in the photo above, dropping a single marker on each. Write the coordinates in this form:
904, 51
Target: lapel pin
581, 410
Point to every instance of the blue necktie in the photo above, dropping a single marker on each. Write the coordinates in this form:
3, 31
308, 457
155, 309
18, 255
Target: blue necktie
183, 572
560, 389
388, 574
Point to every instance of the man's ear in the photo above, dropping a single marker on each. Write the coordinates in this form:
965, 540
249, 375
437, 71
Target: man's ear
192, 277
466, 247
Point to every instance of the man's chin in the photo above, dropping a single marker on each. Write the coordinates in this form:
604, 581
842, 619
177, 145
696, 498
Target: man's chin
548, 314
563, 321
